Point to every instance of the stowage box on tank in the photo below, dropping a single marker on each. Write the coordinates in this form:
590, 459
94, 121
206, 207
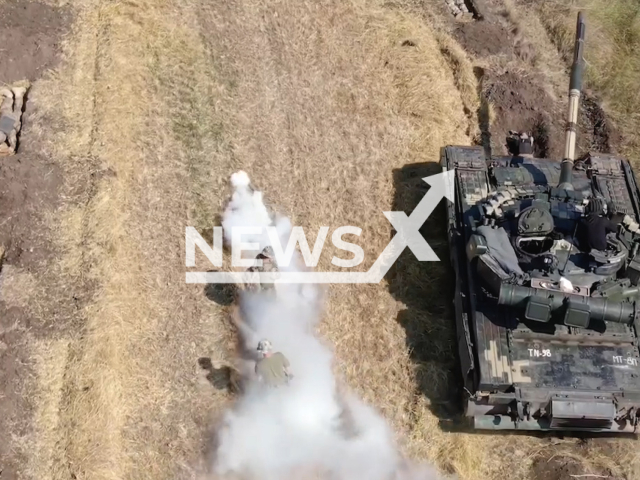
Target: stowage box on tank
547, 262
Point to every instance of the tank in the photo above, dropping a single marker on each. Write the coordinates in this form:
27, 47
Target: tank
546, 325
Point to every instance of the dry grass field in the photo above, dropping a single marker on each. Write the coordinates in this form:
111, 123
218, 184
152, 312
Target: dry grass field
332, 107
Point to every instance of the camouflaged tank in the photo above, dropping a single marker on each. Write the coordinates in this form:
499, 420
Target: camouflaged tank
547, 329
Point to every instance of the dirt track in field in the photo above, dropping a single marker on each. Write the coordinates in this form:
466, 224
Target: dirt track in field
30, 36
335, 110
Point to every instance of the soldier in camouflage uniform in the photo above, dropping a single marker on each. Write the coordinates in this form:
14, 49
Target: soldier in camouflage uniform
269, 266
272, 369
11, 101
524, 142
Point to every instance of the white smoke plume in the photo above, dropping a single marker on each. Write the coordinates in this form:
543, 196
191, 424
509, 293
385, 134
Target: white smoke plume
246, 209
303, 430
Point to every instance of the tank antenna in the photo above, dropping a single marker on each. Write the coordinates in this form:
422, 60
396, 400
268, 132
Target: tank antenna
575, 89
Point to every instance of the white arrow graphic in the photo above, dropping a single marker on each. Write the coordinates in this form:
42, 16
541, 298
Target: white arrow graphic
408, 235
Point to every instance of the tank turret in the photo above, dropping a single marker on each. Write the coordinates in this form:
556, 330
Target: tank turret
575, 90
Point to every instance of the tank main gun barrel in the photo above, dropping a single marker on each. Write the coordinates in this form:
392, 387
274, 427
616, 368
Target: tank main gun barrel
575, 90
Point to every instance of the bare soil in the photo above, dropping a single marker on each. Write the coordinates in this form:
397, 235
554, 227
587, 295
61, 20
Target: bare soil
28, 187
30, 35
484, 37
521, 103
12, 404
598, 129
29, 45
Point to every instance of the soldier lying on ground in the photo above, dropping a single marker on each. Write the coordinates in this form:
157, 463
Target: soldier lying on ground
269, 267
272, 369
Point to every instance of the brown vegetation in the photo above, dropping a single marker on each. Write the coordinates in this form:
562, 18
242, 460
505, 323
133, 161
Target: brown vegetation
336, 110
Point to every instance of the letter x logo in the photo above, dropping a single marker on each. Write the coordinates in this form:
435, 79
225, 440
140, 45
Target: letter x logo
408, 235
408, 227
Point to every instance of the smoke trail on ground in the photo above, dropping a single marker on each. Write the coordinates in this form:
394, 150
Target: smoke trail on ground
303, 430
